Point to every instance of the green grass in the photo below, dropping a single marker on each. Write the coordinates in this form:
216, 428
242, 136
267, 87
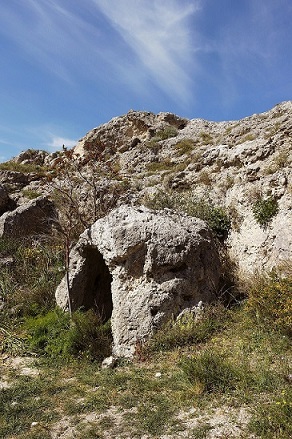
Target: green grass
24, 168
209, 372
238, 364
235, 359
61, 337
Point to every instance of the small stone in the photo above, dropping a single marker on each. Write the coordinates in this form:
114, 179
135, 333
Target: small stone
108, 363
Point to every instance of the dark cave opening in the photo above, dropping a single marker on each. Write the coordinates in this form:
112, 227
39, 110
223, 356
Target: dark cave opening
98, 280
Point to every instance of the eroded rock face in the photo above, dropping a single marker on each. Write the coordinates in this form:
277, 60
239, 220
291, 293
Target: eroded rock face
31, 157
132, 158
30, 218
5, 201
127, 131
140, 267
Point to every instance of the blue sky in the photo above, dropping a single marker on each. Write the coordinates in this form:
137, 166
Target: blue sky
68, 66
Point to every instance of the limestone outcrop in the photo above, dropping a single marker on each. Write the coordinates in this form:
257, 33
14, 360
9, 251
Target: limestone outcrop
32, 218
31, 157
126, 132
140, 267
136, 156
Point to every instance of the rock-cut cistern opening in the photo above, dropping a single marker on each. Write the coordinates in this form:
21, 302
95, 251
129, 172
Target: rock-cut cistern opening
97, 286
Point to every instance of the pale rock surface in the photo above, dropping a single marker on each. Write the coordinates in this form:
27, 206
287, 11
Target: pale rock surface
232, 163
140, 267
31, 157
127, 131
14, 180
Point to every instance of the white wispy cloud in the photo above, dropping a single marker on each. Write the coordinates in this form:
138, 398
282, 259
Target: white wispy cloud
67, 39
158, 33
52, 34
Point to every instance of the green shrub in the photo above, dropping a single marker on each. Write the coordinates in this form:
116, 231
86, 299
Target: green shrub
184, 146
264, 210
57, 336
219, 221
209, 372
203, 208
166, 133
272, 419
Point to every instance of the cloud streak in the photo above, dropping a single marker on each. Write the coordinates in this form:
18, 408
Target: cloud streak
152, 40
52, 34
158, 33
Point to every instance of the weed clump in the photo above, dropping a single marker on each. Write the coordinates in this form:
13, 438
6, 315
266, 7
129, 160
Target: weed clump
56, 335
264, 210
25, 168
273, 419
28, 280
206, 138
203, 208
209, 372
184, 146
188, 330
166, 133
269, 301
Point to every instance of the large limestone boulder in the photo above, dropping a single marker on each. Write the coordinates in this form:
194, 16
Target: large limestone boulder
32, 218
140, 267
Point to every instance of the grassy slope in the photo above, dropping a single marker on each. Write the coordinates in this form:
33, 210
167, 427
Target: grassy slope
236, 383
226, 375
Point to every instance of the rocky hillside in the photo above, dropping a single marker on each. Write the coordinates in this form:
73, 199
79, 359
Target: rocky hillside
243, 167
161, 280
